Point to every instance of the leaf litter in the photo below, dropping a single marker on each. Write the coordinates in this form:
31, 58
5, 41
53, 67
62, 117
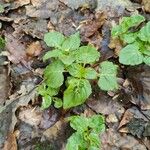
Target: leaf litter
23, 123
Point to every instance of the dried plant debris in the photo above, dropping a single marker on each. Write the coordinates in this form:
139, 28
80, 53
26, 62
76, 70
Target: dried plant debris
75, 4
146, 4
113, 140
141, 85
8, 118
31, 27
5, 85
42, 9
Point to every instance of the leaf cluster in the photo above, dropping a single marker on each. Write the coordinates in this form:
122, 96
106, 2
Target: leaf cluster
68, 57
137, 43
2, 43
87, 135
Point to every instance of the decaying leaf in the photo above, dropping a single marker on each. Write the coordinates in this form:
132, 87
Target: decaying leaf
49, 118
75, 4
10, 143
35, 28
113, 8
4, 86
42, 9
34, 49
146, 4
131, 113
104, 105
57, 134
16, 49
112, 140
31, 116
116, 44
136, 127
141, 85
7, 114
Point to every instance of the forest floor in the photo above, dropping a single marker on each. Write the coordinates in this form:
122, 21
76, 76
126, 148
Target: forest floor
23, 125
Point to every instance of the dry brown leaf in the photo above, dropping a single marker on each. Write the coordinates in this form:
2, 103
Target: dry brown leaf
8, 118
116, 44
112, 140
126, 118
4, 84
10, 143
112, 118
34, 49
104, 105
90, 27
131, 113
146, 4
16, 49
49, 118
22, 2
31, 116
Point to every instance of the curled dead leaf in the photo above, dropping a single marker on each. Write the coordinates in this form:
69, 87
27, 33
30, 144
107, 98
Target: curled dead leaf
115, 44
34, 49
10, 143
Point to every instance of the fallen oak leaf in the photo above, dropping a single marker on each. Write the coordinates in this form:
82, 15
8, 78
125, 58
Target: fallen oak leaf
10, 143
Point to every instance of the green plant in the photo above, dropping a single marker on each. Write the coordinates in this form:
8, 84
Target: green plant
75, 62
87, 135
1, 8
2, 43
137, 43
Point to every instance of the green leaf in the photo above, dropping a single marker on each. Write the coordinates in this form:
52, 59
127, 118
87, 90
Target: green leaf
94, 140
126, 23
130, 55
147, 60
79, 71
54, 74
44, 90
97, 123
46, 102
129, 37
72, 42
57, 102
2, 43
88, 131
145, 50
134, 20
1, 8
76, 93
144, 33
87, 55
108, 79
76, 70
53, 53
76, 142
54, 39
67, 58
76, 120
116, 30
90, 73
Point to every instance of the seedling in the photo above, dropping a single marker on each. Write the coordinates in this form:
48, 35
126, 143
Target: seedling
137, 43
75, 61
87, 135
